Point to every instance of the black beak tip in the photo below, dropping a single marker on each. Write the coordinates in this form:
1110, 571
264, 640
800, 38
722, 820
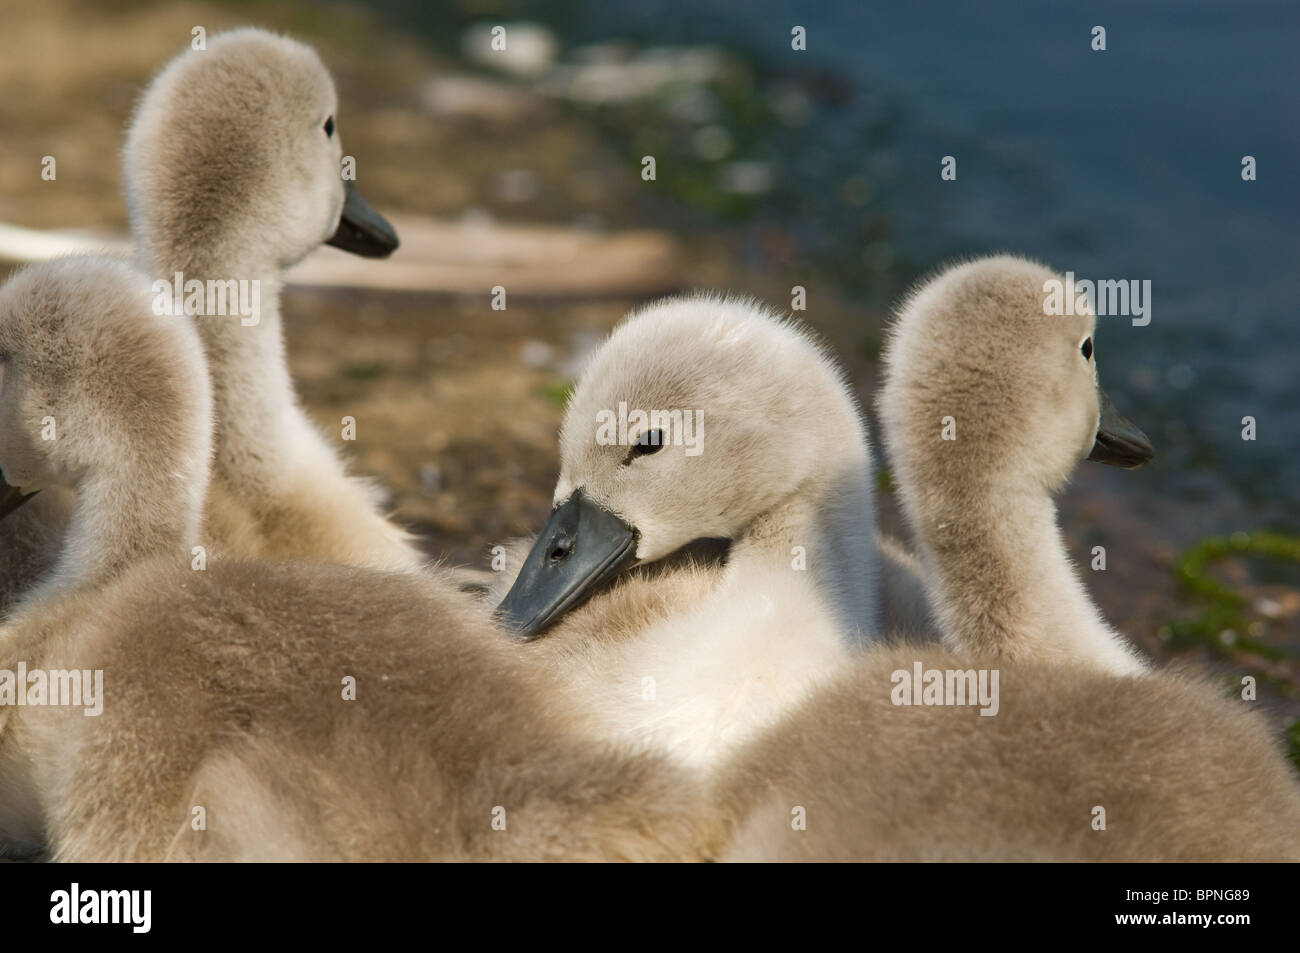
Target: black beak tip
523, 629
1119, 442
11, 497
372, 242
361, 230
582, 547
1127, 455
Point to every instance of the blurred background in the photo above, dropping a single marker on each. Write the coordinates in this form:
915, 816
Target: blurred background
775, 168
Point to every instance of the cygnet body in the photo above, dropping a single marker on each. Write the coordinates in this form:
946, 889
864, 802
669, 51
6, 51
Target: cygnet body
1041, 736
310, 711
233, 174
987, 406
703, 419
232, 171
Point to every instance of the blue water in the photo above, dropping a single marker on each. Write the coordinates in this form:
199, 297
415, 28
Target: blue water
1117, 164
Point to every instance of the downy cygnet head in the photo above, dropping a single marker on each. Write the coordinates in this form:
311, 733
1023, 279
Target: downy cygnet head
234, 152
94, 386
697, 416
975, 351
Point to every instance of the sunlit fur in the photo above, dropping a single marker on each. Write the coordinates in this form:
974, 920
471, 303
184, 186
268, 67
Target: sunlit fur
230, 175
695, 657
974, 345
1182, 771
224, 685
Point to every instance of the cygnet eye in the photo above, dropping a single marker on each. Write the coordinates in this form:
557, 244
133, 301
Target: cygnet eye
1086, 349
329, 126
650, 441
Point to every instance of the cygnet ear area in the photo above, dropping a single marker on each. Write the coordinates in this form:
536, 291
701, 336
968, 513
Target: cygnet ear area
697, 415
228, 145
982, 385
91, 376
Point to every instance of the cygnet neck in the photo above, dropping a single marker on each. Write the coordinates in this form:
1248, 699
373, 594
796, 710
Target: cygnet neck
256, 412
824, 533
1001, 579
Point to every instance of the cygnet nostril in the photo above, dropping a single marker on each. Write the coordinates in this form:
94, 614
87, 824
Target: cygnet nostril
560, 549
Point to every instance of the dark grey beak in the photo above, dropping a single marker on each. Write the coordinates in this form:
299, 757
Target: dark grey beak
583, 546
11, 497
1119, 441
362, 230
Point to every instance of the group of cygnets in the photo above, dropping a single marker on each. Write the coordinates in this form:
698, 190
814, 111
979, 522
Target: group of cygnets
696, 659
